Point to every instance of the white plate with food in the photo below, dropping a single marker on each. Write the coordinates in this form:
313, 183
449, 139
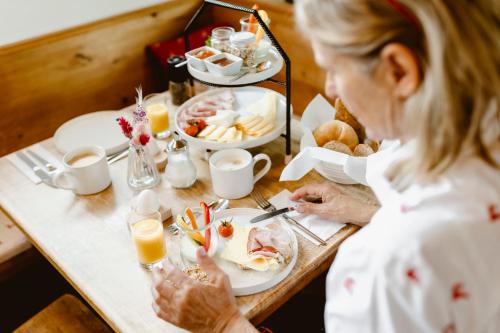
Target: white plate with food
232, 118
96, 128
276, 64
257, 256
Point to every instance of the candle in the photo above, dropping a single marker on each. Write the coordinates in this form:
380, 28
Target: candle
149, 242
158, 117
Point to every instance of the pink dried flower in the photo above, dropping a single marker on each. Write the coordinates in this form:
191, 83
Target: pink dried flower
125, 126
144, 139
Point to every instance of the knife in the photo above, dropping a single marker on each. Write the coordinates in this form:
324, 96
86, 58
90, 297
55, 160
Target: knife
44, 176
49, 167
271, 214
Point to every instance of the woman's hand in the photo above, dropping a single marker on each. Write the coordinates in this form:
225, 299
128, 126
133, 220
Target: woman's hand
335, 204
196, 306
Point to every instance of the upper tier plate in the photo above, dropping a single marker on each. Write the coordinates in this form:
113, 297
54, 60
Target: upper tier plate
251, 78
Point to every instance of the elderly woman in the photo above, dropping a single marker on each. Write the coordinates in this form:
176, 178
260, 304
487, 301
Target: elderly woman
425, 72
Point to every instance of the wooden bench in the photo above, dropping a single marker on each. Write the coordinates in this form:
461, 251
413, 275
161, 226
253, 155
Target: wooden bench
66, 314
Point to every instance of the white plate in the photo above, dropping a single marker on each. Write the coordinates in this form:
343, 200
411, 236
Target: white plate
244, 97
97, 128
276, 65
248, 282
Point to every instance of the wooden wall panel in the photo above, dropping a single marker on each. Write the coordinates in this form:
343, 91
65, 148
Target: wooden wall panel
48, 80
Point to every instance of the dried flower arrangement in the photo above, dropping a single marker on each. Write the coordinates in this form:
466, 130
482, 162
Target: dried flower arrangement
137, 131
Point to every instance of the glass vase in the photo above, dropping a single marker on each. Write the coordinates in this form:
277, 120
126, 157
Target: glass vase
142, 172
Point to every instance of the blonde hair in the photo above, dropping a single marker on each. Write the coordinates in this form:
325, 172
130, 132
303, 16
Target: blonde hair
457, 43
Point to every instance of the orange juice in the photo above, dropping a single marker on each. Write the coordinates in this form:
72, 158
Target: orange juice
158, 117
149, 242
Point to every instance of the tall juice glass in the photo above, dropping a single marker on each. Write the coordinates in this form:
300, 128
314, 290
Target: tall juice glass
157, 113
148, 237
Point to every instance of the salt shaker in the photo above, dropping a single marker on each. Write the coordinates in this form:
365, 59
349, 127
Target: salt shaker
180, 171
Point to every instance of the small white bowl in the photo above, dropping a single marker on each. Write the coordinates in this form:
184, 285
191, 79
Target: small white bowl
197, 63
228, 70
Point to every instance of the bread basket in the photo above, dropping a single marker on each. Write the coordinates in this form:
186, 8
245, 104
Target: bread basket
335, 166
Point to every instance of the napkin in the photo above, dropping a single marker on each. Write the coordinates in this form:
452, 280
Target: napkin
321, 227
26, 170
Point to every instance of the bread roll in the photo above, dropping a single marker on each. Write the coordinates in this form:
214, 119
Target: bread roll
363, 150
338, 146
372, 143
336, 130
344, 115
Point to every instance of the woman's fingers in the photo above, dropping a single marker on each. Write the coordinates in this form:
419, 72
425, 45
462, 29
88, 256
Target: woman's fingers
207, 264
316, 209
312, 189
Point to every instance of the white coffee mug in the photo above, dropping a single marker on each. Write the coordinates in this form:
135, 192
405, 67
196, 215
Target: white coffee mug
86, 171
232, 172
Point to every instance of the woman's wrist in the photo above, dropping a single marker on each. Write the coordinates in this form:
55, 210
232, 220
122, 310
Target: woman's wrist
237, 324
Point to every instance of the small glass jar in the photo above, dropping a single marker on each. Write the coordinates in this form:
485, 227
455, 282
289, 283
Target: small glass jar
180, 171
243, 46
246, 25
220, 38
205, 235
178, 83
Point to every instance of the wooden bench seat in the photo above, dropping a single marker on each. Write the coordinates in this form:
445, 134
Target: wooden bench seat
66, 314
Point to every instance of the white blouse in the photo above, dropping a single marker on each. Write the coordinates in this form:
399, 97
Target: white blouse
429, 260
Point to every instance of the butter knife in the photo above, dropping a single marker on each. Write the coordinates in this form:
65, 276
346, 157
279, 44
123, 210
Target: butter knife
44, 176
271, 214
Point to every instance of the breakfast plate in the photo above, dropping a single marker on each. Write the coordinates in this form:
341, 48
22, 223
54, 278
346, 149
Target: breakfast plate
276, 65
96, 128
246, 281
241, 100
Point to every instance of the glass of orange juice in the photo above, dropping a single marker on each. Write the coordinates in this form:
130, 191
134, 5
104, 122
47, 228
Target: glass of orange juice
147, 235
157, 113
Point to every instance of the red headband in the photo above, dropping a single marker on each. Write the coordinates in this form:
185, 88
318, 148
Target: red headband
406, 13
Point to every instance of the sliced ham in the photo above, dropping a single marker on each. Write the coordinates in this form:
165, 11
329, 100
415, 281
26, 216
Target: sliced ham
271, 241
207, 107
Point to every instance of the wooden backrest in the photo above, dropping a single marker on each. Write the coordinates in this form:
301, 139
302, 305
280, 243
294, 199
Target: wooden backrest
48, 80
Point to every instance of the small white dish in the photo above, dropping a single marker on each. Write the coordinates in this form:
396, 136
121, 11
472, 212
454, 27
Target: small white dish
198, 63
230, 69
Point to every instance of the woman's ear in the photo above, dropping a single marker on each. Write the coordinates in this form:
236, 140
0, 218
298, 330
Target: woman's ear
402, 67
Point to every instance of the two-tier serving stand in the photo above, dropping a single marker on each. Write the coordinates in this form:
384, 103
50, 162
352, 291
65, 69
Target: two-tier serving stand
258, 78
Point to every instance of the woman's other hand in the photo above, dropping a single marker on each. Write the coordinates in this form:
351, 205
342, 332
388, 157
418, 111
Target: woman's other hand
335, 204
196, 306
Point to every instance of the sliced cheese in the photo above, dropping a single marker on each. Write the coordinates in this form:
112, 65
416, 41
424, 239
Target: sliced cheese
246, 119
206, 131
250, 123
228, 135
257, 127
265, 107
264, 130
215, 135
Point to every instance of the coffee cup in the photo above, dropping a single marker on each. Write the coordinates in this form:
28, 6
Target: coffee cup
86, 171
232, 172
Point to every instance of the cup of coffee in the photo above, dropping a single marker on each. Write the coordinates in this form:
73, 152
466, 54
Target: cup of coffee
85, 171
232, 172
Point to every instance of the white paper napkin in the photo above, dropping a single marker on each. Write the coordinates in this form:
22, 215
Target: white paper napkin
25, 169
323, 228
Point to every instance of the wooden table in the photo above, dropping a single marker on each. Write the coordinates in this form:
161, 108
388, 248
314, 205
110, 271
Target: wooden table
86, 238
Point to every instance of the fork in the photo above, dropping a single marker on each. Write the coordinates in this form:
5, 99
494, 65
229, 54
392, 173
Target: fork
269, 207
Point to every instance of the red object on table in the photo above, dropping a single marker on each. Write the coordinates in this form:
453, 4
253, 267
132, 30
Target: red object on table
161, 51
